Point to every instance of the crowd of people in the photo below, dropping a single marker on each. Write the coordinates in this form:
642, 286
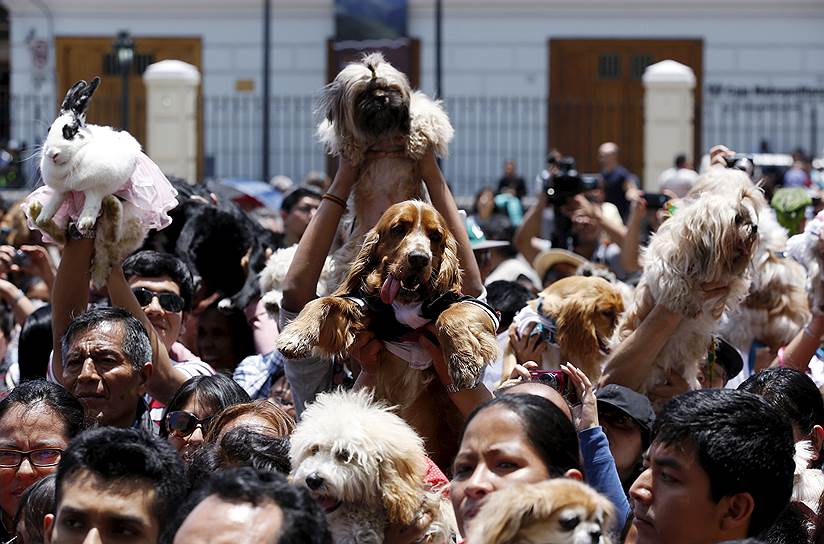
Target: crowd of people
157, 408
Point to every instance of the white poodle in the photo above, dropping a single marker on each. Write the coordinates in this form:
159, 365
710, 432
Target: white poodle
365, 466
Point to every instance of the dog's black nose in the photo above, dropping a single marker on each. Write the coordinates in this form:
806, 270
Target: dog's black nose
418, 259
595, 536
314, 481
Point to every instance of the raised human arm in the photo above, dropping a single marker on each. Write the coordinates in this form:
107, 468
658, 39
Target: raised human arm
70, 295
630, 362
300, 284
443, 201
530, 228
631, 244
801, 349
165, 379
17, 300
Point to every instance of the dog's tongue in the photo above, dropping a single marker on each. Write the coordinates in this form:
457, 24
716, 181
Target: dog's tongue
389, 289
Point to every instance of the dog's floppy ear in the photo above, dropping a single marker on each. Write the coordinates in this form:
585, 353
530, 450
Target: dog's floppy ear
449, 271
576, 328
355, 276
502, 515
402, 489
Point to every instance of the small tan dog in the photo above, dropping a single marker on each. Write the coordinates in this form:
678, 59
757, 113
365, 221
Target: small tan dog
584, 312
558, 511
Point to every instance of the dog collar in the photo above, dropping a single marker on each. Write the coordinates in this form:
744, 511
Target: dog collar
386, 326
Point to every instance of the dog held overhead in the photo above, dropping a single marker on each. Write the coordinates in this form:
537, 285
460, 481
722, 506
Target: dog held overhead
371, 107
405, 278
365, 467
710, 241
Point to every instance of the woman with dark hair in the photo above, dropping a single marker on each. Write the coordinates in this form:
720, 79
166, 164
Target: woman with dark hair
224, 338
37, 421
511, 439
35, 344
35, 504
795, 395
187, 416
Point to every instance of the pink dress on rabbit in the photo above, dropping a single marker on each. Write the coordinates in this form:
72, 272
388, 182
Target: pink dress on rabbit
147, 190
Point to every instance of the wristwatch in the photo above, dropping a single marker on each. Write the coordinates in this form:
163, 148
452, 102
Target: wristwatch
77, 234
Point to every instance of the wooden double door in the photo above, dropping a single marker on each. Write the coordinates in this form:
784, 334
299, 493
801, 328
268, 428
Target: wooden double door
85, 57
596, 95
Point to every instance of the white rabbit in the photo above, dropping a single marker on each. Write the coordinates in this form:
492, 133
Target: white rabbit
89, 167
93, 159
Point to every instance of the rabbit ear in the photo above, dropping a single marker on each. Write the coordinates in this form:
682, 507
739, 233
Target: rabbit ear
78, 97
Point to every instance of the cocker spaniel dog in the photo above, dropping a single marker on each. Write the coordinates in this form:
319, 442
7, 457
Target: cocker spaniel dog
709, 242
365, 467
370, 105
558, 511
405, 276
577, 316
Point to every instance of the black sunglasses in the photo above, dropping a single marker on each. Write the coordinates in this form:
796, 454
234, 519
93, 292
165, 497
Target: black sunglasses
183, 424
168, 301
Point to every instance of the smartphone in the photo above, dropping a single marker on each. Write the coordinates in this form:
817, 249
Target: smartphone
553, 378
656, 200
559, 381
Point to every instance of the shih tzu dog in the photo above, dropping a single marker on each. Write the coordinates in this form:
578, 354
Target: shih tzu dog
709, 241
370, 106
776, 306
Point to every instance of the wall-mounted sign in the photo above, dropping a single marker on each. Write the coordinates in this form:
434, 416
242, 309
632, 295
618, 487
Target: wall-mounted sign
719, 89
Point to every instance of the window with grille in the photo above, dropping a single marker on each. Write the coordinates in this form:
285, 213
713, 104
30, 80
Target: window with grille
639, 64
609, 67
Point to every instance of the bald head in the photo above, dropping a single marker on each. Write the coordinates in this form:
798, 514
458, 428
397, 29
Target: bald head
608, 155
541, 390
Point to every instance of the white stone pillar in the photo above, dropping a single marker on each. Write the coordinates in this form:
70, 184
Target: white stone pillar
669, 99
171, 117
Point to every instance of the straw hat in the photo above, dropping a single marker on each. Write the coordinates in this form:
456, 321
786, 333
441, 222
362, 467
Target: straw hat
547, 259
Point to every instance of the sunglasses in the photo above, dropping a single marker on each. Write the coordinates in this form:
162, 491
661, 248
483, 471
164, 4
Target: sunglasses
46, 457
183, 424
168, 301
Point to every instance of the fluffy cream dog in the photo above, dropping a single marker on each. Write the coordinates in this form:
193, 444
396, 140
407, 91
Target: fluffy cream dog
776, 306
559, 511
708, 241
371, 106
365, 466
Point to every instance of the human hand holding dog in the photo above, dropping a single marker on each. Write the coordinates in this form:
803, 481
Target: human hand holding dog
410, 533
527, 347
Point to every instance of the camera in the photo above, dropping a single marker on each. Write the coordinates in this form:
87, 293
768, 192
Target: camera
567, 182
21, 258
553, 378
741, 161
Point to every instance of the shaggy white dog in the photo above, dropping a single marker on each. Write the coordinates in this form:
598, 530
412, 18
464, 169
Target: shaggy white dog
365, 466
710, 240
776, 307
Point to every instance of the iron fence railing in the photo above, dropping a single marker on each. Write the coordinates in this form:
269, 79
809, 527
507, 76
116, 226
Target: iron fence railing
488, 131
775, 124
